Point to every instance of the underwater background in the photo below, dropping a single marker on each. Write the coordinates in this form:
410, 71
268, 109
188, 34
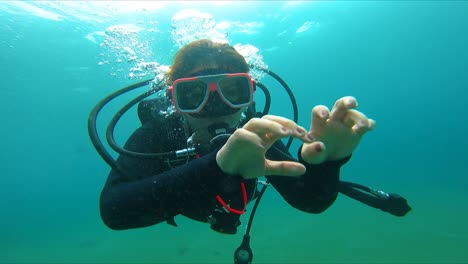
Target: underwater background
404, 61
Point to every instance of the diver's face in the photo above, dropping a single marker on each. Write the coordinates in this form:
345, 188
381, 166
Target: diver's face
202, 123
215, 110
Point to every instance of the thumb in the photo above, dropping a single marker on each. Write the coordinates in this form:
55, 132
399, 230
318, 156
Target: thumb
284, 168
313, 153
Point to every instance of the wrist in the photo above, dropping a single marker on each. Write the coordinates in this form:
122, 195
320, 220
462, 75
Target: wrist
228, 181
225, 166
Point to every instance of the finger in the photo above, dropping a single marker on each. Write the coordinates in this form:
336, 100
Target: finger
266, 130
284, 168
264, 126
313, 153
253, 141
288, 123
353, 117
341, 107
293, 129
244, 137
320, 114
363, 126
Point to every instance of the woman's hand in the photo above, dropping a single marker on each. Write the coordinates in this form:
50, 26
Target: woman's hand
336, 134
244, 152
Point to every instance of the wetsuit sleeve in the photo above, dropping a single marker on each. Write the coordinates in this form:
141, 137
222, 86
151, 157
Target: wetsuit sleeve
314, 191
136, 198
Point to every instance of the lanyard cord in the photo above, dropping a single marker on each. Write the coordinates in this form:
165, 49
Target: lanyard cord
233, 210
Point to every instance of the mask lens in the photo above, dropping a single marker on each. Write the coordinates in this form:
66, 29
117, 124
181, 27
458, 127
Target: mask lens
190, 94
236, 90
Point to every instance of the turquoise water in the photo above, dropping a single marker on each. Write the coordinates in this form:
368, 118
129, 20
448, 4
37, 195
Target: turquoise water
405, 62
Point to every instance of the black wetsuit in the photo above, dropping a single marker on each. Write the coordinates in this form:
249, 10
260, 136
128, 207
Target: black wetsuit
152, 191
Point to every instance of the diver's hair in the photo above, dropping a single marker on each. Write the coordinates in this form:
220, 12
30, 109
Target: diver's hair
205, 54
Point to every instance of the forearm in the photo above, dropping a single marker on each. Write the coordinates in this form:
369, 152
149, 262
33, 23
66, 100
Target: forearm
154, 199
314, 191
